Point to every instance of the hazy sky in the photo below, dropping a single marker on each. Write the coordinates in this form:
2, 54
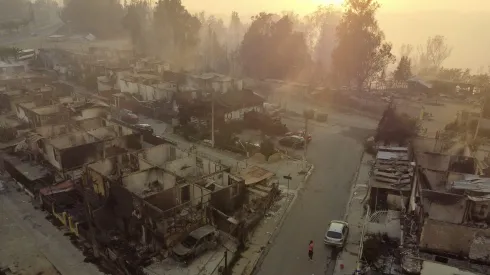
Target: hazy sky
304, 6
462, 22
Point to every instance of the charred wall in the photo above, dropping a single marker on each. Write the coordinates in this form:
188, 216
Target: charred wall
79, 155
163, 200
230, 199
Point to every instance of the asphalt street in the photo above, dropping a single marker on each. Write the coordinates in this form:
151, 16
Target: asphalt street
336, 155
26, 36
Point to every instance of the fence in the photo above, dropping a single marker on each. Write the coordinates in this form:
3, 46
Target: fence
368, 219
220, 267
361, 244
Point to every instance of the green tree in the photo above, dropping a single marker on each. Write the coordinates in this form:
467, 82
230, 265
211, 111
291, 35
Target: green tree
403, 71
362, 52
176, 31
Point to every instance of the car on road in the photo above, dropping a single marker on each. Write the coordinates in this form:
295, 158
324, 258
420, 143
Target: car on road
144, 127
321, 117
196, 243
337, 233
128, 116
295, 142
300, 133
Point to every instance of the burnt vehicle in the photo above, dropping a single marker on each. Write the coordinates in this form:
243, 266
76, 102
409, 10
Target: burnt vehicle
196, 243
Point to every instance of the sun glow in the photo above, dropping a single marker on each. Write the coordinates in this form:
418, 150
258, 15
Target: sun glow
329, 2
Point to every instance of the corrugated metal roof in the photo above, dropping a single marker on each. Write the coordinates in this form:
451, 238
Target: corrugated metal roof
392, 168
472, 183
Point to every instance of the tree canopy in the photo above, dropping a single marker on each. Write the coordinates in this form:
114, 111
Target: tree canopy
432, 55
176, 30
362, 52
404, 70
271, 48
101, 18
134, 22
395, 127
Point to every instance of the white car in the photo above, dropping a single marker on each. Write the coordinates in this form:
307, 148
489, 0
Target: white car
337, 233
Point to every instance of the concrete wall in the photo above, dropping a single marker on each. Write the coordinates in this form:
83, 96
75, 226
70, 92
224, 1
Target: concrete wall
162, 91
193, 166
94, 112
21, 113
104, 132
52, 155
453, 212
161, 154
230, 198
53, 130
107, 166
66, 99
128, 87
91, 123
97, 181
485, 123
77, 156
131, 142
73, 139
103, 85
170, 198
139, 182
480, 210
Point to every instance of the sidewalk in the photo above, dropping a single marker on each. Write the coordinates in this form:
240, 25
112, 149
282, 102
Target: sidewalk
354, 215
31, 244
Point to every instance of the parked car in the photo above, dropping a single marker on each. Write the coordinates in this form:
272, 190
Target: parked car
295, 142
321, 117
144, 127
300, 134
337, 233
128, 116
196, 243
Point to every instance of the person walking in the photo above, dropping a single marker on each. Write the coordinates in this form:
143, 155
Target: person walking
310, 250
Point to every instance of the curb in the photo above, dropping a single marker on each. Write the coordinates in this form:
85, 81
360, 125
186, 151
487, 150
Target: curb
349, 202
353, 187
264, 253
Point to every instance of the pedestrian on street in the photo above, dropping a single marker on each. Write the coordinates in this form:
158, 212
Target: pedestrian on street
310, 250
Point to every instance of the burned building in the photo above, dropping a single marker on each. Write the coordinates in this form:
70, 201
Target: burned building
391, 179
155, 196
447, 218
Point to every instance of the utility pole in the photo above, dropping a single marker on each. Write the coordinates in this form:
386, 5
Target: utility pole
481, 116
289, 178
305, 139
212, 117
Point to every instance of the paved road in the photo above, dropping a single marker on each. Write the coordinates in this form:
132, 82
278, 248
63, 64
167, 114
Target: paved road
24, 37
336, 156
